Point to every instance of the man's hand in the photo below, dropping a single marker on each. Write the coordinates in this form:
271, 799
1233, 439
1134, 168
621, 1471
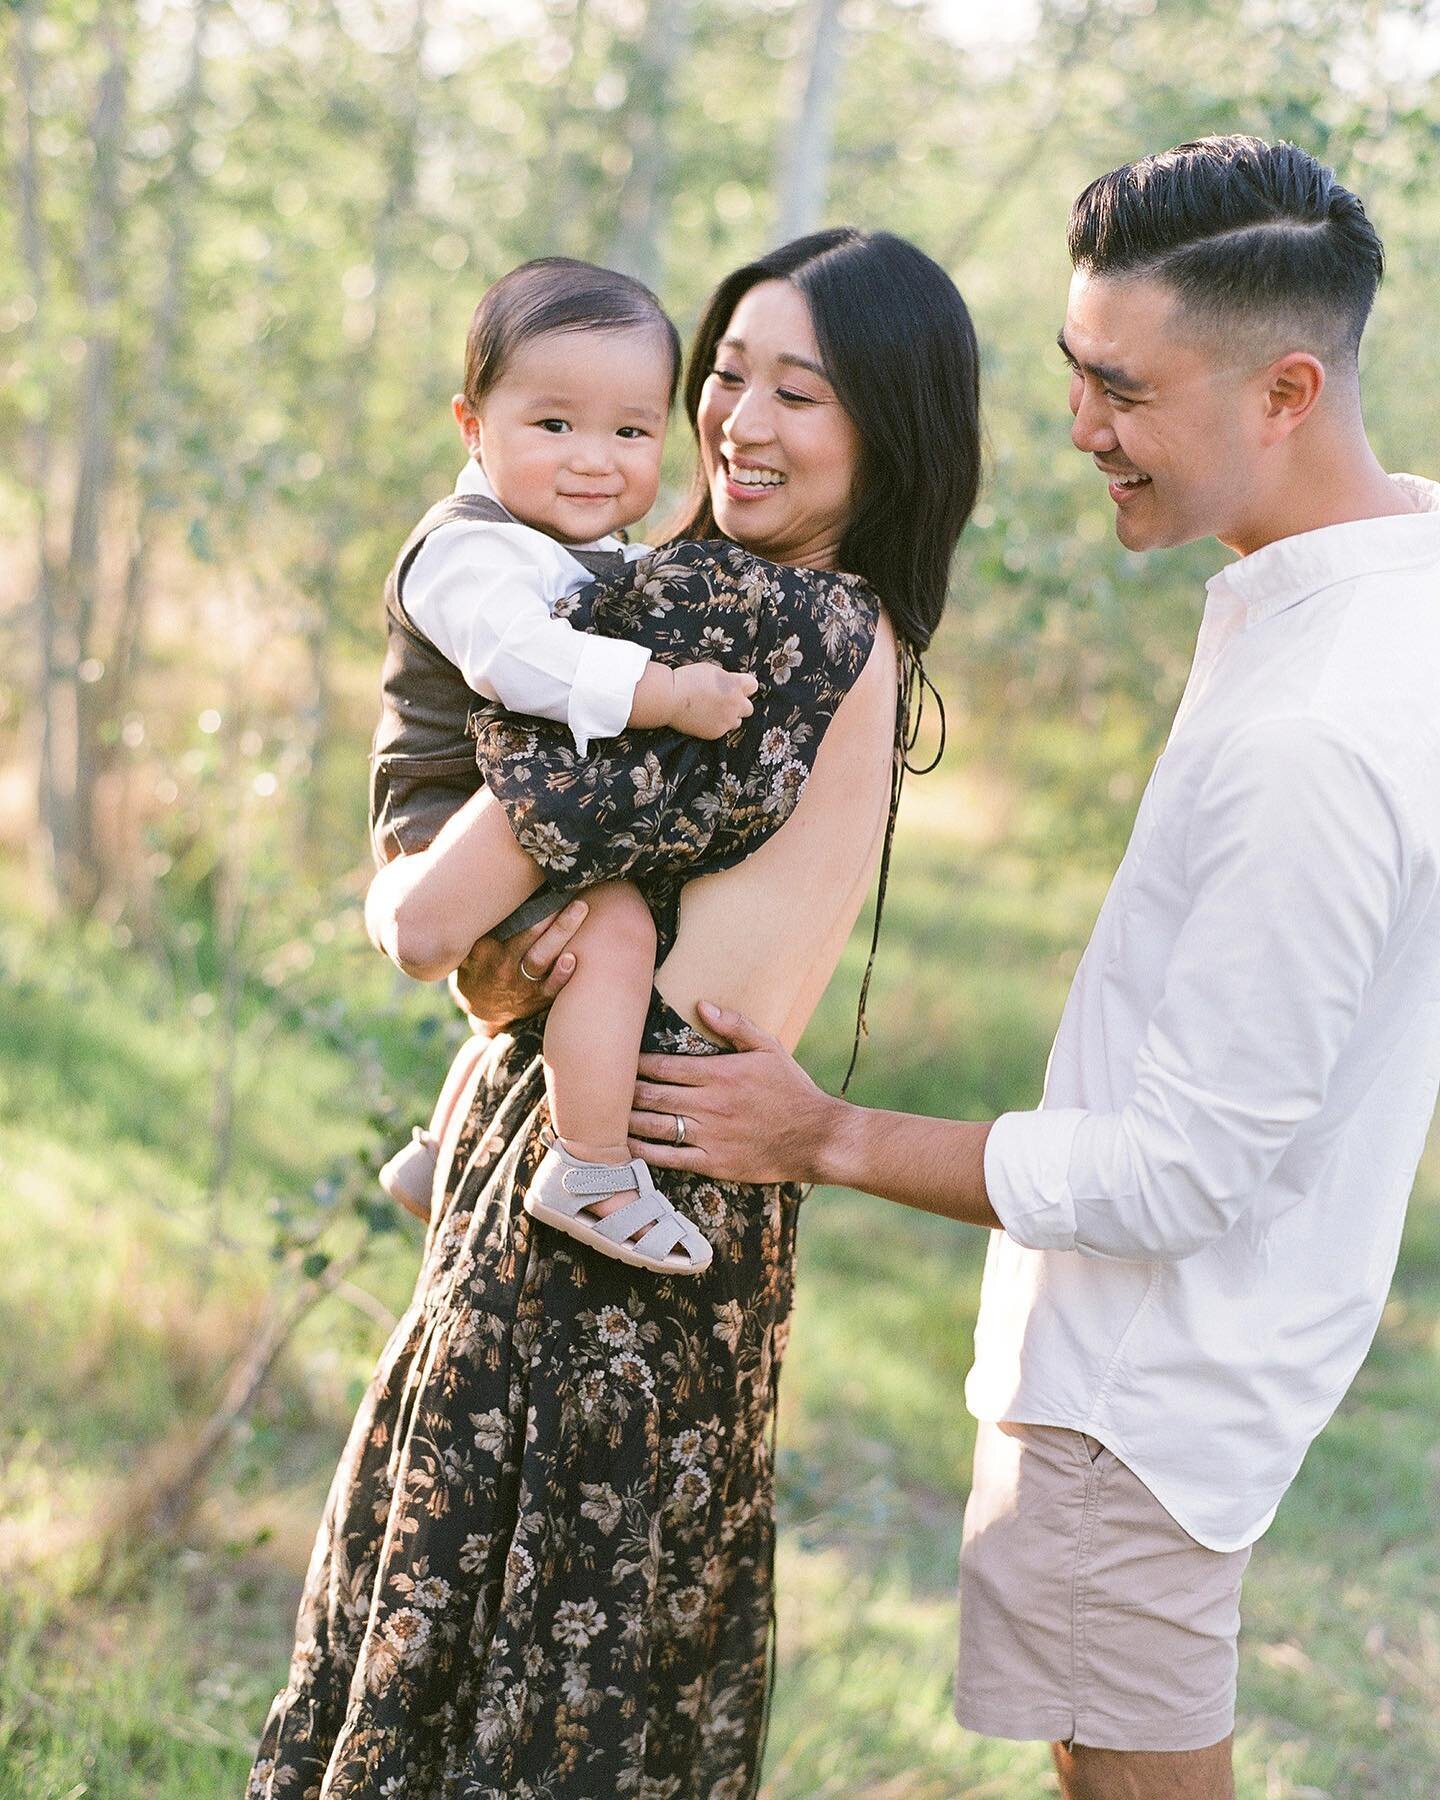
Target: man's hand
756, 1116
489, 984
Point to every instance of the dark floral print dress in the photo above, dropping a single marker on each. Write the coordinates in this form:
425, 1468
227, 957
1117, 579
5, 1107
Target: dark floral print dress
544, 1569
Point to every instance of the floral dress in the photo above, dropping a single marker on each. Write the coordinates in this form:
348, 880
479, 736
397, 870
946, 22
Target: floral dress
544, 1568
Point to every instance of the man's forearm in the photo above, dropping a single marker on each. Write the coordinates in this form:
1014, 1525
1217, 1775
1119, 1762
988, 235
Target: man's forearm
936, 1165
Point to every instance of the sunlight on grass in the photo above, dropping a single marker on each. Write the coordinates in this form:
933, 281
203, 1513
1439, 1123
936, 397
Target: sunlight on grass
106, 1238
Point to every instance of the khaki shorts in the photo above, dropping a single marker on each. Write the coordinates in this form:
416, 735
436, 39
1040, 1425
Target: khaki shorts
1087, 1615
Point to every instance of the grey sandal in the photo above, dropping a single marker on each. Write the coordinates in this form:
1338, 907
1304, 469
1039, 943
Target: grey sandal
646, 1232
409, 1176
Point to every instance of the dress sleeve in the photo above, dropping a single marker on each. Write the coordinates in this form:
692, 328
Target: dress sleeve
649, 805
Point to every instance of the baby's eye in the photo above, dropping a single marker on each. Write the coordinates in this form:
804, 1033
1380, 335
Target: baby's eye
632, 431
556, 425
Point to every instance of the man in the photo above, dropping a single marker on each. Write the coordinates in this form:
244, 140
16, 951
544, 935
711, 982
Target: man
1195, 1232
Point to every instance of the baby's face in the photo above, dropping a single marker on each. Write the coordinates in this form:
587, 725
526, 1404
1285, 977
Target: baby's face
570, 436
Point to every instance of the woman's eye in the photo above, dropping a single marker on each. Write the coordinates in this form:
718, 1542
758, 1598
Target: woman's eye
556, 425
797, 399
730, 377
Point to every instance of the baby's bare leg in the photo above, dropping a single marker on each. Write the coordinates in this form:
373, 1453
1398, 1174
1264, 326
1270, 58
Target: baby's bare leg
592, 1037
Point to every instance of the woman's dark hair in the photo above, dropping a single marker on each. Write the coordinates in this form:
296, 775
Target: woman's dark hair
556, 293
1245, 232
900, 352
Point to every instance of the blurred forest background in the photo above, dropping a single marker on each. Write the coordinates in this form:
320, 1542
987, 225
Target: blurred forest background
242, 240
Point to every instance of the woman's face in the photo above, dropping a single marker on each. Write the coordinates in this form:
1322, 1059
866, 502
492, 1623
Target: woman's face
780, 453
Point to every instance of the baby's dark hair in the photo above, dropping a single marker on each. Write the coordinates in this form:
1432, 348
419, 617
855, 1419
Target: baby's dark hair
551, 294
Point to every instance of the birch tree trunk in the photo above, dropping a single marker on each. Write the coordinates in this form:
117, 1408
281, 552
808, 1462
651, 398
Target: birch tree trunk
356, 428
159, 422
809, 129
37, 438
555, 202
68, 698
638, 244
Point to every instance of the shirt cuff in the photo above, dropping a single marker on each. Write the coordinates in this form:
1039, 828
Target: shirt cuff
1027, 1176
602, 689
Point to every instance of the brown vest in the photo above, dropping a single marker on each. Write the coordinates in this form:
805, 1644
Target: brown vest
422, 762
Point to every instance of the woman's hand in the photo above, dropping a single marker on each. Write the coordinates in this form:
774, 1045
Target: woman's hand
490, 984
754, 1117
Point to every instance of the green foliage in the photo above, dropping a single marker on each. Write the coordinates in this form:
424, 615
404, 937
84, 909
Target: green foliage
102, 1122
309, 210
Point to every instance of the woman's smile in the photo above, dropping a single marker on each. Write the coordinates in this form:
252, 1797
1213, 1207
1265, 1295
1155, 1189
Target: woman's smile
749, 480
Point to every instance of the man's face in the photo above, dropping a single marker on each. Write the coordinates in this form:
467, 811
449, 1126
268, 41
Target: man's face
1173, 422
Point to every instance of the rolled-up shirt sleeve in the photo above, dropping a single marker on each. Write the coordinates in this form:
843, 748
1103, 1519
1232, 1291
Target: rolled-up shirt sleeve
487, 609
1295, 860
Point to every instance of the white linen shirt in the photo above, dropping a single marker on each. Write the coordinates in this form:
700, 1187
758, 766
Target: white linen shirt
484, 594
1202, 1219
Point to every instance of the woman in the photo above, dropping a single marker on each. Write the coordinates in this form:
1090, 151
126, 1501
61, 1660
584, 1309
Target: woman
545, 1567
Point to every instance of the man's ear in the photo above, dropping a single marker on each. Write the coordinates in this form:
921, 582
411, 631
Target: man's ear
1294, 384
466, 419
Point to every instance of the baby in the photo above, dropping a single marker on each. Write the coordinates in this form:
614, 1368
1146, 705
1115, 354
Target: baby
570, 374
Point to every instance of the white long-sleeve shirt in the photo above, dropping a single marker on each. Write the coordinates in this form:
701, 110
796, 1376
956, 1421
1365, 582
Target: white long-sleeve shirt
484, 594
1202, 1219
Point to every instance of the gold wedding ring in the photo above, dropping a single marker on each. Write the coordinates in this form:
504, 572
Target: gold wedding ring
679, 1128
526, 973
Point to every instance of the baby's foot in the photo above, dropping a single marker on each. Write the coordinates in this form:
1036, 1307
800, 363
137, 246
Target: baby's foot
644, 1230
409, 1176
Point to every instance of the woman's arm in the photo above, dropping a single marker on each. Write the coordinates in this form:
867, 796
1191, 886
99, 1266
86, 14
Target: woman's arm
501, 981
427, 910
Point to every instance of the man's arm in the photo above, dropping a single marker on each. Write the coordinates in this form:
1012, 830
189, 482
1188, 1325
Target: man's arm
1295, 866
757, 1116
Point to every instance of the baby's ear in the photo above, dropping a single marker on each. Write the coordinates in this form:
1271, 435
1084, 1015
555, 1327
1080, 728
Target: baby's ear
469, 423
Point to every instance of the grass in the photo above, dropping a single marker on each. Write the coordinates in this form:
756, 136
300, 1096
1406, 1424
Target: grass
124, 1294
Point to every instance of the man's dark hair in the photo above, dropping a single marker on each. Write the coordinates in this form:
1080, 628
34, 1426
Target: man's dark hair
552, 294
899, 349
1247, 234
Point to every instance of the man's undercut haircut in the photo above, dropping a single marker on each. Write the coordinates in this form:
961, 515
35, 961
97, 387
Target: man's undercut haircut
558, 294
1257, 240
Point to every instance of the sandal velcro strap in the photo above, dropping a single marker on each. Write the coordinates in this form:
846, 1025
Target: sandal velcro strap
599, 1179
668, 1234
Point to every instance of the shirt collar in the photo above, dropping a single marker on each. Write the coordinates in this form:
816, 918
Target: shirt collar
472, 479
1292, 569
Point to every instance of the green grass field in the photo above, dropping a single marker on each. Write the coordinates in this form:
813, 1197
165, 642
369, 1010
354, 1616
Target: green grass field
125, 1294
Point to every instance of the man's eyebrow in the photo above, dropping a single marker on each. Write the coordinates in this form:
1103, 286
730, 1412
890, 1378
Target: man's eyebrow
786, 357
1109, 373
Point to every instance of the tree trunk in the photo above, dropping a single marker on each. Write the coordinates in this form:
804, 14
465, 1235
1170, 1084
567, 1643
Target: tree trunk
809, 130
159, 423
356, 424
556, 208
37, 441
638, 244
68, 698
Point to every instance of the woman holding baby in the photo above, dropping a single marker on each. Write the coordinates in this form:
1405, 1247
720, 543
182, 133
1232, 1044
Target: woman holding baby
545, 1564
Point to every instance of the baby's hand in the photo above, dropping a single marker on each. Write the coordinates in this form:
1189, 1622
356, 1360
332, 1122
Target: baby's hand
710, 701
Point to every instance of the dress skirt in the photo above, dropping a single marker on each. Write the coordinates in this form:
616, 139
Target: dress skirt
545, 1565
